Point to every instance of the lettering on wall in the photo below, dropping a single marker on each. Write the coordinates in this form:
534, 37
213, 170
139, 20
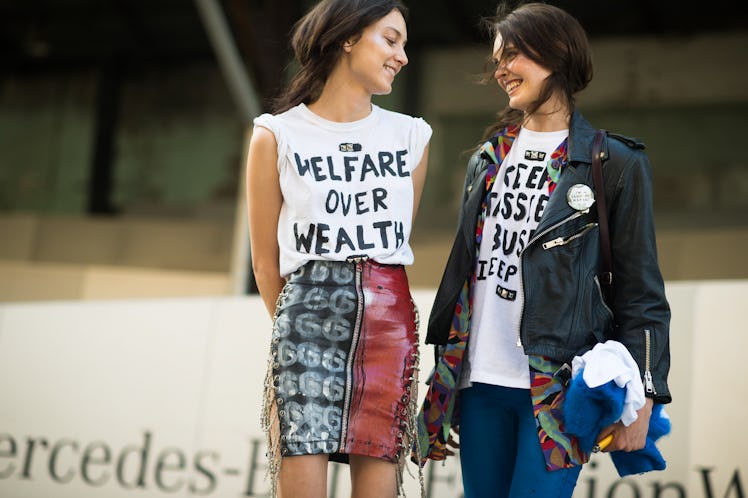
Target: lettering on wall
148, 465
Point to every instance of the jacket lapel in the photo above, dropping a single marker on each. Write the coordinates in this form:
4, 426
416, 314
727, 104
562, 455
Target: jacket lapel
575, 171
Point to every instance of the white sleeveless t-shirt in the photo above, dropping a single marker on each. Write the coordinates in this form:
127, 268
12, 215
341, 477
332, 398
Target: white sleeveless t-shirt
347, 187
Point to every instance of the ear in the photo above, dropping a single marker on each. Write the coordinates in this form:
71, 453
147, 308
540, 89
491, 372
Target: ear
347, 45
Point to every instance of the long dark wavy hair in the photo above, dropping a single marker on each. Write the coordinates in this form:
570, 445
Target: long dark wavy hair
552, 38
317, 42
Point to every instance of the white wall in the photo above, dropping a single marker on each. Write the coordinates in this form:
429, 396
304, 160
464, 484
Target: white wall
155, 398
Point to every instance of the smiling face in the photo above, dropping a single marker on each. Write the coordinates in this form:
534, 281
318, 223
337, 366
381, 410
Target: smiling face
377, 56
519, 76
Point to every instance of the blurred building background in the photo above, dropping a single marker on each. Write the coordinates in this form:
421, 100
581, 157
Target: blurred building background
124, 123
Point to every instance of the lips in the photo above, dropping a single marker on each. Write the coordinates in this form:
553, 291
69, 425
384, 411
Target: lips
391, 69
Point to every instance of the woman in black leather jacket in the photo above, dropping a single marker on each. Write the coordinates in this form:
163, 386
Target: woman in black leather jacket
521, 294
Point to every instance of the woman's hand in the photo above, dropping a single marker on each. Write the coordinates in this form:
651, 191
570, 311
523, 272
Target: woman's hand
631, 438
453, 444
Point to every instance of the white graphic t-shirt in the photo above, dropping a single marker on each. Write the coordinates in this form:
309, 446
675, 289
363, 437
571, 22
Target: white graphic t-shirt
347, 187
515, 206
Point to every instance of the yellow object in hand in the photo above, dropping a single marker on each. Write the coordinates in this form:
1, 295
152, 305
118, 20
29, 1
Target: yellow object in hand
603, 443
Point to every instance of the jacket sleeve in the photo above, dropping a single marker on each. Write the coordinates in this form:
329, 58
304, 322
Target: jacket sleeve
457, 267
640, 306
473, 167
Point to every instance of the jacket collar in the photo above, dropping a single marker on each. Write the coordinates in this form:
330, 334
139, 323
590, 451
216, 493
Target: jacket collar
581, 135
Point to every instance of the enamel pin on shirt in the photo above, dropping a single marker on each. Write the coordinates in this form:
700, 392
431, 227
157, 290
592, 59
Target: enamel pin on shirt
580, 197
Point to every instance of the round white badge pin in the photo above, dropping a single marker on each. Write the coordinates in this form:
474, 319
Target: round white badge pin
580, 197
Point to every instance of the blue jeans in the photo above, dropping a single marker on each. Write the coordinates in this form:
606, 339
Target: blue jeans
500, 452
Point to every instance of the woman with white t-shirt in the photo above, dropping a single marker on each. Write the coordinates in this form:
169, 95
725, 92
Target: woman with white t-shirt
522, 292
334, 183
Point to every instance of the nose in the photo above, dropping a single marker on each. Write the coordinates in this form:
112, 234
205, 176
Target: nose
401, 56
500, 70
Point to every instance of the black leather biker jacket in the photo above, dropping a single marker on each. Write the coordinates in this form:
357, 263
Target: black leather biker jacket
564, 312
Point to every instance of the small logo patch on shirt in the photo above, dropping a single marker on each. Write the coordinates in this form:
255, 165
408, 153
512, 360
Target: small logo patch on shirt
350, 147
507, 294
534, 155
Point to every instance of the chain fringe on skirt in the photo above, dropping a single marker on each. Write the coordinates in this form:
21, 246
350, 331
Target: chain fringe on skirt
269, 414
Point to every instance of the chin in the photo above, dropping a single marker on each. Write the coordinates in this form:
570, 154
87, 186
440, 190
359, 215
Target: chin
383, 91
517, 104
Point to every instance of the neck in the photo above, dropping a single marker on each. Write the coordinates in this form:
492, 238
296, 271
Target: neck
551, 116
340, 101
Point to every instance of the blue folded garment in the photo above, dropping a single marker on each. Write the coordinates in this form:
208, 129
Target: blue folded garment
588, 410
649, 457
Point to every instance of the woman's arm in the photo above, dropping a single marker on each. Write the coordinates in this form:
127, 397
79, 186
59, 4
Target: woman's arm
640, 306
264, 201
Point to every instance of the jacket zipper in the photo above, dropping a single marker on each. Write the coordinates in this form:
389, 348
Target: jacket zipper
521, 277
648, 382
560, 241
